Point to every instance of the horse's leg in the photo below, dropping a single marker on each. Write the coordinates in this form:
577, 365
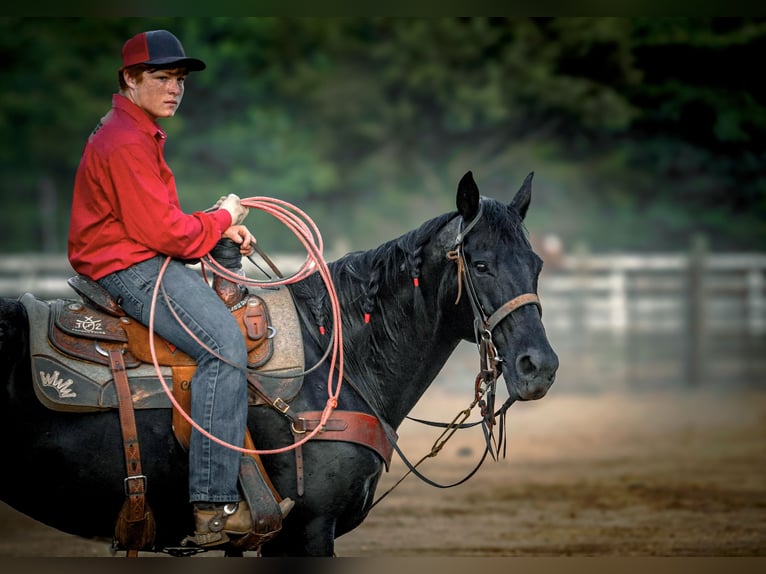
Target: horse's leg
310, 537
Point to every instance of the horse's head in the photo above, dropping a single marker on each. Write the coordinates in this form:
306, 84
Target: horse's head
500, 272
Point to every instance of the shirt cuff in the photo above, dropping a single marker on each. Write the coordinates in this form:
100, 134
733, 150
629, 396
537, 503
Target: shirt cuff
223, 217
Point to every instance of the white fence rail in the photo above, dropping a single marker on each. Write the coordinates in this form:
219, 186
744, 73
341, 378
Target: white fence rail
43, 275
623, 320
656, 319
721, 293
597, 293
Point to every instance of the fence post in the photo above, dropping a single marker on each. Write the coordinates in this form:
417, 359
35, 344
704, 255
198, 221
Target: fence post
695, 311
618, 301
755, 302
581, 290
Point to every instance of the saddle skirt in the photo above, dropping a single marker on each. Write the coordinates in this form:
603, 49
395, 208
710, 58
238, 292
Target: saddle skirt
70, 340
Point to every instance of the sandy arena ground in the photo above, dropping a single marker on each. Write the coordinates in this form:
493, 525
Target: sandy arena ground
613, 474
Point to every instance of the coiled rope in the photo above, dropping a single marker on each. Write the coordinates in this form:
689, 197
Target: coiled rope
307, 232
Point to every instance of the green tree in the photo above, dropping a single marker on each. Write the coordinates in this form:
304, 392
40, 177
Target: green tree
641, 131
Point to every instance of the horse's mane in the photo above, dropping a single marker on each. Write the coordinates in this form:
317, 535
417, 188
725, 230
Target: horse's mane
358, 276
362, 277
398, 259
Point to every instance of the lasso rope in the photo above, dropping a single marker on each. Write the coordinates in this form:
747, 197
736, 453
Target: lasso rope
307, 232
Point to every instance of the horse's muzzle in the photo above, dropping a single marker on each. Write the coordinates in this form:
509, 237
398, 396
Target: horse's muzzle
534, 373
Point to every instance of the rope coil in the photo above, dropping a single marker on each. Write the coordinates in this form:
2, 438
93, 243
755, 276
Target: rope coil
307, 232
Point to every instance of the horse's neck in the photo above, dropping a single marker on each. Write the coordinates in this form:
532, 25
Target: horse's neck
399, 369
398, 354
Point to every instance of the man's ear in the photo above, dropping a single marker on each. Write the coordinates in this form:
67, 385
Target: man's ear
129, 80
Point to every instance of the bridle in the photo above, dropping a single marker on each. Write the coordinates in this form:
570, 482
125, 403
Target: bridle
484, 324
489, 367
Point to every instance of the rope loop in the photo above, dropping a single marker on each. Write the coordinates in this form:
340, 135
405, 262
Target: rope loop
307, 232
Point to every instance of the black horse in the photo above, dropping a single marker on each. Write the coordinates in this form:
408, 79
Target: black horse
66, 470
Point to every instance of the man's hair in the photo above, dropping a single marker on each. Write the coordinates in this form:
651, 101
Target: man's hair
137, 71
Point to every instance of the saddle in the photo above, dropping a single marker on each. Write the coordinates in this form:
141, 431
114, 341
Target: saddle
70, 343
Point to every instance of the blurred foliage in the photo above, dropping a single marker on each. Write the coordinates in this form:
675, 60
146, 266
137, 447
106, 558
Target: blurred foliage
641, 131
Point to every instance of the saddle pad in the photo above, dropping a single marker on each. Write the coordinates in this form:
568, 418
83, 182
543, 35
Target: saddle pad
63, 382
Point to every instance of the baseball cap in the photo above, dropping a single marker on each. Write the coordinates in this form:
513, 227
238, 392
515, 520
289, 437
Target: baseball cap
158, 48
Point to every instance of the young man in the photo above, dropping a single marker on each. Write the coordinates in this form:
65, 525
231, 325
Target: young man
126, 220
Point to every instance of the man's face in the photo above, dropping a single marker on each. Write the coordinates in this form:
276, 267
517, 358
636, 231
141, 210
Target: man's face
160, 92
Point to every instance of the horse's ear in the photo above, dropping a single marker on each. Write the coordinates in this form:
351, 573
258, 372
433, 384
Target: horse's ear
521, 201
467, 197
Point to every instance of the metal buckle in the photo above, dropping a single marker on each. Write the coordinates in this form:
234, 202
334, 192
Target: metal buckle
141, 477
302, 430
280, 405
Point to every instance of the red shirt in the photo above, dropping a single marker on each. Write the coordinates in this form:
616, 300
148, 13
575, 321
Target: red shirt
125, 207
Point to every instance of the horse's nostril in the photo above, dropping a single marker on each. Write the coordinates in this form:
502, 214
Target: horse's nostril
525, 365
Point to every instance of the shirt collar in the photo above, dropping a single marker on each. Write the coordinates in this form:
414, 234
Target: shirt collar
145, 123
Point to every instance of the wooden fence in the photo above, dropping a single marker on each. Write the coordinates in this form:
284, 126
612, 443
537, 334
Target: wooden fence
722, 293
627, 319
690, 318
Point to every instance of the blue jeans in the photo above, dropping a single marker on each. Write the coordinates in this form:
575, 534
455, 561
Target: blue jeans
219, 391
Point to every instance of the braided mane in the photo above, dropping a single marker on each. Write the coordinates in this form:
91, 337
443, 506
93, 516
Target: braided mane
379, 285
358, 276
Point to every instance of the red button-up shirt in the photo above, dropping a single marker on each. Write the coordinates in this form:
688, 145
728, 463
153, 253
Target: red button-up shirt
125, 207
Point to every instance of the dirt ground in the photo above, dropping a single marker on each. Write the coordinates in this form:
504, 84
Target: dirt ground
613, 474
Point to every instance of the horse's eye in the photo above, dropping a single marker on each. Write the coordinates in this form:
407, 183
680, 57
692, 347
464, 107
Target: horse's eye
481, 267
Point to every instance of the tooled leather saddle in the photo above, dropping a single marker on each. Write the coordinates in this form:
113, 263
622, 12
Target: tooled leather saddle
88, 355
71, 340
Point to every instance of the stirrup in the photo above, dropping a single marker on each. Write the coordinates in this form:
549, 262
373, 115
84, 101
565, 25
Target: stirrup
205, 539
210, 525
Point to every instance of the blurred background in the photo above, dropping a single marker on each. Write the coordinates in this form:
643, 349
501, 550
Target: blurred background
647, 137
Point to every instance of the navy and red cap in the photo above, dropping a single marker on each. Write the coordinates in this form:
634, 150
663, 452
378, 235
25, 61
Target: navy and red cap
158, 48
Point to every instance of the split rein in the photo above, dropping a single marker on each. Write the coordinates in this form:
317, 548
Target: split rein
307, 232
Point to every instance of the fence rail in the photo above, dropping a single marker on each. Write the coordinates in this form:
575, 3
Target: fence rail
645, 293
613, 319
613, 293
691, 318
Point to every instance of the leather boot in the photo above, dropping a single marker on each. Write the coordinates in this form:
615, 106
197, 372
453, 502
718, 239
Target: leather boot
214, 524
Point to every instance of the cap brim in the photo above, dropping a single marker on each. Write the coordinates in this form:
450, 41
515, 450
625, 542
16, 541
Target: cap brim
191, 64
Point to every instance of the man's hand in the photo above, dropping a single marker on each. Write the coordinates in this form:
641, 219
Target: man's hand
240, 235
232, 204
217, 204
